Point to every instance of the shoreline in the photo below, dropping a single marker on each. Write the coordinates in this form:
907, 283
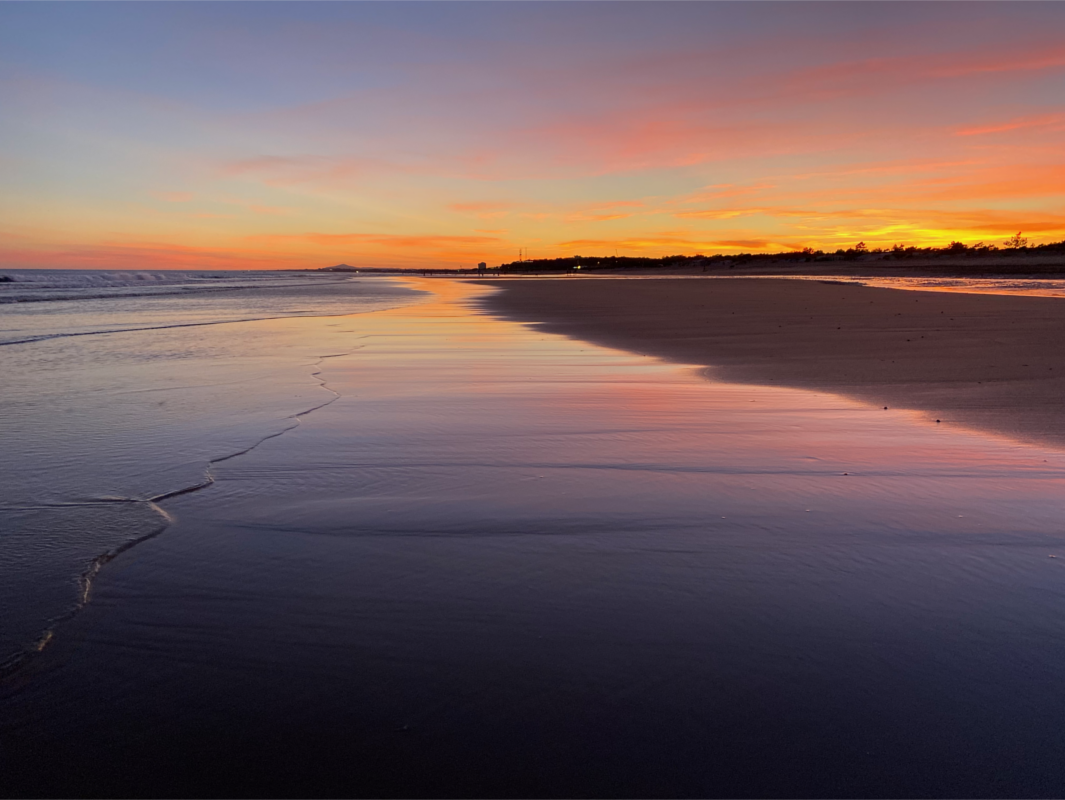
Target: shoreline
988, 362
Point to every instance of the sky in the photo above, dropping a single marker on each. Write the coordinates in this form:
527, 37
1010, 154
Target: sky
281, 135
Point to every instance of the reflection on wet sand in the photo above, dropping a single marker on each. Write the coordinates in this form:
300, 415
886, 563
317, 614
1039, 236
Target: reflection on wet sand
992, 363
509, 563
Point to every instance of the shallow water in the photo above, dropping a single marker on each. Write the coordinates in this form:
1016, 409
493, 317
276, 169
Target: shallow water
1028, 287
506, 563
100, 416
37, 305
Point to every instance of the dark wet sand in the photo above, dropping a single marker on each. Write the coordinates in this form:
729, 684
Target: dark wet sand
504, 564
994, 363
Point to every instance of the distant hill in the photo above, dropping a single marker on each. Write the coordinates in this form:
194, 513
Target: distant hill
340, 268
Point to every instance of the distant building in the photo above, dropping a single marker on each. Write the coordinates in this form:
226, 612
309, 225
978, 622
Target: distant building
482, 266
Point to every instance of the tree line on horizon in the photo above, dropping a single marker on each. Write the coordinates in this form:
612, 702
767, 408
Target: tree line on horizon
1015, 245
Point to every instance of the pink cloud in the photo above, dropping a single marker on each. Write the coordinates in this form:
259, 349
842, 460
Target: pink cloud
1052, 121
623, 143
1038, 58
870, 76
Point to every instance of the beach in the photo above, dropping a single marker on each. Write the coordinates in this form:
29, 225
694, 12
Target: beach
443, 553
532, 400
991, 363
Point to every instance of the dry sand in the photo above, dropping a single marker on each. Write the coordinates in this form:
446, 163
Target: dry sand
994, 363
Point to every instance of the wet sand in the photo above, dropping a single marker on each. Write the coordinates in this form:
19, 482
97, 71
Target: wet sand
992, 363
502, 563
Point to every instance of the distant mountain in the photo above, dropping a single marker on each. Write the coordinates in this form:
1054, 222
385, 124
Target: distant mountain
340, 268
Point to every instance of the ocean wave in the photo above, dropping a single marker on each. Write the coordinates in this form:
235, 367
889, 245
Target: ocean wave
34, 286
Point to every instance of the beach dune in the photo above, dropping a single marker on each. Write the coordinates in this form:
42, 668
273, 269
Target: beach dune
990, 362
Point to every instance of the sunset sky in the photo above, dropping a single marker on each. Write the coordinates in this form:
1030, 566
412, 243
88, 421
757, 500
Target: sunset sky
251, 135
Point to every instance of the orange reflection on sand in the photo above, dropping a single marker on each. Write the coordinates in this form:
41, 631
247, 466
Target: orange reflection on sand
464, 408
448, 330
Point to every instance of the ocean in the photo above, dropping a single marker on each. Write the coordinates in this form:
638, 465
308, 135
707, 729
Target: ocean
279, 535
121, 388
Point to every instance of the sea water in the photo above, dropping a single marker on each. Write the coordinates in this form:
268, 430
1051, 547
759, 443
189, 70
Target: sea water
120, 388
505, 563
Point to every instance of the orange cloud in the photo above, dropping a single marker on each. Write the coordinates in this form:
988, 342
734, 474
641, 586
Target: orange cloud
274, 211
842, 227
752, 244
603, 212
724, 190
664, 241
722, 213
895, 167
956, 182
294, 170
387, 249
174, 197
388, 239
481, 207
619, 204
149, 255
269, 251
484, 210
595, 217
